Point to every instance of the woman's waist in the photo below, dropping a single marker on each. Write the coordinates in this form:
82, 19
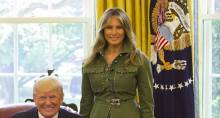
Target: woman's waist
114, 100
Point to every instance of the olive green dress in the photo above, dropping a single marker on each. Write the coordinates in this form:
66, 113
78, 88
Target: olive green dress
108, 91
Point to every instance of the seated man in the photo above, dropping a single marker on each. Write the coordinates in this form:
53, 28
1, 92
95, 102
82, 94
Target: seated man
48, 96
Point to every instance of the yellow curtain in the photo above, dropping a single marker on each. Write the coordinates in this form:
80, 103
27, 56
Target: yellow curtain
137, 11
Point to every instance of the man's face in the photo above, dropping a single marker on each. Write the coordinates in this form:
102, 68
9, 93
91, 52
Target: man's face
48, 102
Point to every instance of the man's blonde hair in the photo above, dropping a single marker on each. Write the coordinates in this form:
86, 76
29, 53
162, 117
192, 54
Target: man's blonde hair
48, 82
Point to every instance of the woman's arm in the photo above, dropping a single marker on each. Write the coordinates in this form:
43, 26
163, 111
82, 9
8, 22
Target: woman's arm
86, 102
145, 88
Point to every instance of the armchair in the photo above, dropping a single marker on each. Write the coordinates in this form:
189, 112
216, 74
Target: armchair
8, 110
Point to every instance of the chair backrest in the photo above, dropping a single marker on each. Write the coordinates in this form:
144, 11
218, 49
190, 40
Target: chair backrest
8, 110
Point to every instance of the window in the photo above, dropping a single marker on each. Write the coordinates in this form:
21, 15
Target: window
38, 35
210, 22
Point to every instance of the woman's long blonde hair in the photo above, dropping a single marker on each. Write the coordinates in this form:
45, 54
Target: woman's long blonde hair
101, 41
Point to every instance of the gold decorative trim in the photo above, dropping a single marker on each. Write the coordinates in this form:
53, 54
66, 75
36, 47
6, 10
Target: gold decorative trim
183, 42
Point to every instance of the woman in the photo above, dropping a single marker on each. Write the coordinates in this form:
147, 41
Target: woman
114, 71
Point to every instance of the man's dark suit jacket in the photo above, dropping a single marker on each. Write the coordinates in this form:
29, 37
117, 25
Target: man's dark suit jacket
33, 113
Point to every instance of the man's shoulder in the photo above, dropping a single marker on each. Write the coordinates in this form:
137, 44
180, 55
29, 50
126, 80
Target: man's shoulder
67, 114
25, 114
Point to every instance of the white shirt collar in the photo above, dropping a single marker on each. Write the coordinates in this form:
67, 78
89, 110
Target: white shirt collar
41, 116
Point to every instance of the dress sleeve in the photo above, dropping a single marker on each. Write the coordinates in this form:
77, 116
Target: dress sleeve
86, 102
145, 88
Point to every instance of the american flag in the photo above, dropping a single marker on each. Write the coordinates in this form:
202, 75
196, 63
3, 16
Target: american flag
160, 41
172, 88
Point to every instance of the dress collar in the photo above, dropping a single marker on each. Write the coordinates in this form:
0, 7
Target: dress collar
125, 49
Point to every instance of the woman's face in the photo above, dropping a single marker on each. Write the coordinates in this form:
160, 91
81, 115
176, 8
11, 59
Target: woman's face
114, 32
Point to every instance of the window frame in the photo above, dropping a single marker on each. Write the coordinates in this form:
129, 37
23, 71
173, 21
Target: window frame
207, 8
88, 19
